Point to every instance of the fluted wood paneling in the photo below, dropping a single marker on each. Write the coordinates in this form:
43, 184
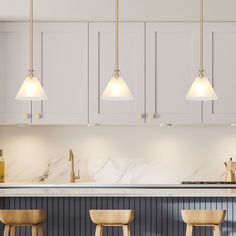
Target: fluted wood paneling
153, 215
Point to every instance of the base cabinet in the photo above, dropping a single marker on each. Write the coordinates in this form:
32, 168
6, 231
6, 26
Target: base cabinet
69, 216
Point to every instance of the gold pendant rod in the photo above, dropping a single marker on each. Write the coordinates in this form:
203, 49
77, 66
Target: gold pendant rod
117, 36
31, 38
201, 37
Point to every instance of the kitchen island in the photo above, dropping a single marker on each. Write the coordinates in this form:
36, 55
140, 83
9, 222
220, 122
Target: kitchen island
157, 207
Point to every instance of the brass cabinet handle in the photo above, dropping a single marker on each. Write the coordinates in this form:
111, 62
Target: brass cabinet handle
152, 116
26, 116
38, 116
141, 116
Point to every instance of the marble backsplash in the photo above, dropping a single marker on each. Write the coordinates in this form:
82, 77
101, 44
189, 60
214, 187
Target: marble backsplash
117, 154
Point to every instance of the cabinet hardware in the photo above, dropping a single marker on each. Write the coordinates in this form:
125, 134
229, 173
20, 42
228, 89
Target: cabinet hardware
26, 116
141, 116
38, 116
152, 116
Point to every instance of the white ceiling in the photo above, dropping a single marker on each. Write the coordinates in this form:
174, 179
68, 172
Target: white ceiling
133, 10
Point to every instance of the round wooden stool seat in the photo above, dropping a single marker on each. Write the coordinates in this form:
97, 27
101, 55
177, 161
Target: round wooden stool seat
211, 218
203, 217
22, 217
14, 218
112, 218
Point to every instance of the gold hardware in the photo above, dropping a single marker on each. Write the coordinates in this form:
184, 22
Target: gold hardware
117, 37
73, 177
141, 116
38, 116
31, 70
201, 38
26, 116
152, 116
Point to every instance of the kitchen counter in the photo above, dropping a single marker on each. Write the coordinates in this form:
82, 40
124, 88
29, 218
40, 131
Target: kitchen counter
116, 190
157, 206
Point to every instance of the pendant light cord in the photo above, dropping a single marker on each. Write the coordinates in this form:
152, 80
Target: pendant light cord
31, 70
117, 40
201, 39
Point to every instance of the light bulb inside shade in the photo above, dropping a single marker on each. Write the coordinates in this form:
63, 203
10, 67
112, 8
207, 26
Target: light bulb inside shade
201, 90
31, 89
117, 90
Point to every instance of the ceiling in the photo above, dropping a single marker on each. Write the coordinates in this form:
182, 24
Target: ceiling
131, 10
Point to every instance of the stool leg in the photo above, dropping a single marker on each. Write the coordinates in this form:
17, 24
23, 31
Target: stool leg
6, 230
40, 230
34, 230
99, 229
126, 230
13, 231
189, 230
216, 230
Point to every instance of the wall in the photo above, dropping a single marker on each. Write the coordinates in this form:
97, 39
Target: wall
117, 154
134, 10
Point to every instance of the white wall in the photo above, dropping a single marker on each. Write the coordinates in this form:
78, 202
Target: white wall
125, 154
134, 10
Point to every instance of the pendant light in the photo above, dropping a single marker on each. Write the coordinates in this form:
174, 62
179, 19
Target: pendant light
117, 89
201, 89
31, 89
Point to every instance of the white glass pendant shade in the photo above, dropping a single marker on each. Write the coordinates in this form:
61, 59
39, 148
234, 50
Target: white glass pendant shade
117, 90
31, 90
201, 90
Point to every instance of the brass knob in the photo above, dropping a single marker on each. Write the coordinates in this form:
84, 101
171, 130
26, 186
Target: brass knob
152, 116
141, 116
26, 116
38, 116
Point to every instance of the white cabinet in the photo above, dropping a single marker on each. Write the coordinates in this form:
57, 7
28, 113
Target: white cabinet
61, 61
159, 62
171, 66
13, 71
221, 69
101, 67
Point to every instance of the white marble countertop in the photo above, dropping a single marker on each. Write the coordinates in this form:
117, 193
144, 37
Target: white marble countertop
115, 190
93, 185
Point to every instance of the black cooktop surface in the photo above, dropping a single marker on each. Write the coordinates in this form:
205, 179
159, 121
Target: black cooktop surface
207, 182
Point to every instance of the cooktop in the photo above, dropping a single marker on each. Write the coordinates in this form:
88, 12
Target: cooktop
207, 182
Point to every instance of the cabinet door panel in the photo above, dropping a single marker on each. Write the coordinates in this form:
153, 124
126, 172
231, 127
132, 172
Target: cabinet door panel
221, 68
13, 70
62, 51
132, 65
172, 64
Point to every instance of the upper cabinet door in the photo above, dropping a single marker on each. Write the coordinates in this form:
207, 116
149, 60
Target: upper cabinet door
221, 70
171, 67
14, 64
61, 61
101, 67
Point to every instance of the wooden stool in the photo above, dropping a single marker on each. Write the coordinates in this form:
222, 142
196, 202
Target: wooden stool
103, 218
14, 218
212, 218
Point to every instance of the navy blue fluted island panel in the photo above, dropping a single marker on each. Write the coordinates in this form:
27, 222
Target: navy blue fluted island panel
159, 216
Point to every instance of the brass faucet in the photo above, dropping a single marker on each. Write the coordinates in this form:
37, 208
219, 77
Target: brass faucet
73, 177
